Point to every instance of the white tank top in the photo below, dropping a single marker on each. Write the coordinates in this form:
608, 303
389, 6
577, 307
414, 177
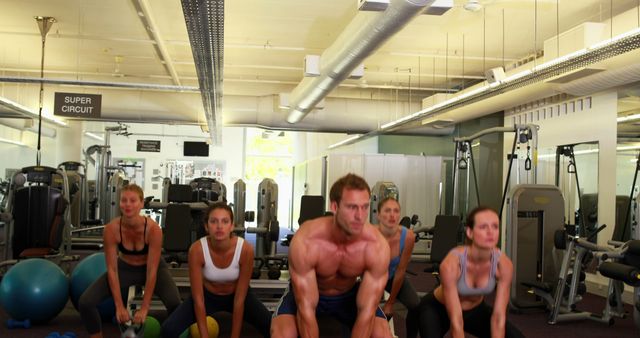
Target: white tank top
214, 274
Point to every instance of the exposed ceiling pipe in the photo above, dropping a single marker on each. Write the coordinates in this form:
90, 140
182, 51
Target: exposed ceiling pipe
128, 85
18, 108
244, 111
152, 29
337, 62
485, 99
171, 88
27, 125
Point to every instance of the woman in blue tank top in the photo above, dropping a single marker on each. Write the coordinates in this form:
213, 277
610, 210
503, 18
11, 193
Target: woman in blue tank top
220, 266
468, 274
401, 241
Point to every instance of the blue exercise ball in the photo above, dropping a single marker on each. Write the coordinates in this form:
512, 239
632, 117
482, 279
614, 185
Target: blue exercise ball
34, 289
83, 275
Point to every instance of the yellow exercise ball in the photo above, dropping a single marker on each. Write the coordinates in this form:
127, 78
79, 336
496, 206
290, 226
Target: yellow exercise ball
212, 328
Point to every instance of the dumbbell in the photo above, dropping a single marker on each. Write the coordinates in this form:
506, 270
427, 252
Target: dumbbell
23, 324
255, 274
274, 272
257, 268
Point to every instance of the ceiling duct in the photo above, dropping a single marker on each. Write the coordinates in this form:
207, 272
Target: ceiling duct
601, 81
472, 103
14, 107
205, 25
28, 125
245, 111
337, 62
629, 42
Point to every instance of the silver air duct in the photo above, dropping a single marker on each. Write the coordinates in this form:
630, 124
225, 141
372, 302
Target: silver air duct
601, 81
337, 62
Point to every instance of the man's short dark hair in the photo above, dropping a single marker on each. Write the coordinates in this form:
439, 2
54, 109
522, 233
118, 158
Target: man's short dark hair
349, 181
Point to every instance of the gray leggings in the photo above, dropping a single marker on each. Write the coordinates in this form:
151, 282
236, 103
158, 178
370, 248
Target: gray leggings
406, 295
128, 275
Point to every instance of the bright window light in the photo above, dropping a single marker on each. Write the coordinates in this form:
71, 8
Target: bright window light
94, 136
4, 140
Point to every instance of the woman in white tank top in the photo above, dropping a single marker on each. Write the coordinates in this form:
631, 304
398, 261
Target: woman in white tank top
220, 266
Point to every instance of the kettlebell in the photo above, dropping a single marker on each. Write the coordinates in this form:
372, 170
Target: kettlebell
131, 330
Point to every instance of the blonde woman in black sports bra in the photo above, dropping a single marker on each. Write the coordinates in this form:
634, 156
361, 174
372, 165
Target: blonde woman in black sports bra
468, 274
220, 266
132, 247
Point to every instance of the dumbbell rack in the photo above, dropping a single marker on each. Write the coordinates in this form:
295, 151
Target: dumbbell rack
267, 291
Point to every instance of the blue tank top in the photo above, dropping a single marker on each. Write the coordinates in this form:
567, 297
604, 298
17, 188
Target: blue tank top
466, 290
395, 261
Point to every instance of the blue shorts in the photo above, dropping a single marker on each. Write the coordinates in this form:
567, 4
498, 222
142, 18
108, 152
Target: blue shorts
342, 307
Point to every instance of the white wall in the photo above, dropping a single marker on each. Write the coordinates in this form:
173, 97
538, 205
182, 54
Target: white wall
171, 139
311, 145
16, 157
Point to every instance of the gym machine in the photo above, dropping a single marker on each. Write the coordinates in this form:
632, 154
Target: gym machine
379, 192
39, 225
76, 175
240, 215
268, 228
207, 189
463, 159
534, 213
109, 179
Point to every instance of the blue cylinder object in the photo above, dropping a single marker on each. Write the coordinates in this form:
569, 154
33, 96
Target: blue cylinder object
34, 289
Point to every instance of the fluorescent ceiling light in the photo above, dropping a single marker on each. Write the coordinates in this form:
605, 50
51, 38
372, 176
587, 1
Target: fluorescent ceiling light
508, 79
17, 143
622, 148
628, 118
26, 111
352, 138
591, 151
94, 136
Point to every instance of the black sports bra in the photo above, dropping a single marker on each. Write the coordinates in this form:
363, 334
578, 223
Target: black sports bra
126, 251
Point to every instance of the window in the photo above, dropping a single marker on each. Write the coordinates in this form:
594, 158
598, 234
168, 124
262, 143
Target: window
269, 154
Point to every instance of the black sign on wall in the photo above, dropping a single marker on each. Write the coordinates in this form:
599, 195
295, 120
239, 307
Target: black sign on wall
150, 146
77, 105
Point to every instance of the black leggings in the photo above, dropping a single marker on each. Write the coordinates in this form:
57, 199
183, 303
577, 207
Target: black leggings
432, 319
406, 295
255, 313
128, 275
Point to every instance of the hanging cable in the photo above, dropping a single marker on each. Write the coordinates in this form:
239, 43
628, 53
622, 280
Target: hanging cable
623, 237
44, 24
473, 169
572, 161
506, 183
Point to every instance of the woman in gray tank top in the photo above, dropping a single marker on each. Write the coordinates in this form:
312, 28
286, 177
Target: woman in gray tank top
468, 274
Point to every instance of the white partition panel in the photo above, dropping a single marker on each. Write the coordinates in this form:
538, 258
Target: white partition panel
434, 177
413, 197
373, 168
314, 176
307, 180
299, 189
339, 165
